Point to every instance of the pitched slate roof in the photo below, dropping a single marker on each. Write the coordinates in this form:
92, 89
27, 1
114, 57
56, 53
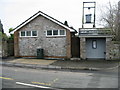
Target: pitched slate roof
46, 16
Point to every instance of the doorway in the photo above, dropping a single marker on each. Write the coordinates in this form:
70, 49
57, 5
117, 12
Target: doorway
75, 47
95, 48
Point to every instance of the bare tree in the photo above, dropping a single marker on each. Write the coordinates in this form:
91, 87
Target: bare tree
118, 23
1, 27
111, 19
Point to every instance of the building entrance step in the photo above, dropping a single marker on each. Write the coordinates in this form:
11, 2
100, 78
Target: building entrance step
75, 59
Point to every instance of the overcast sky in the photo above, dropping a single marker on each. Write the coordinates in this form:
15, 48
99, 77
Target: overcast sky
14, 12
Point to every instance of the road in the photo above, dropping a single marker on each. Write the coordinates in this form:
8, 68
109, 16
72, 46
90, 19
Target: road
14, 77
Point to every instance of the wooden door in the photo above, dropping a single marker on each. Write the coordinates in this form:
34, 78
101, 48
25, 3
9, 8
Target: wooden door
75, 47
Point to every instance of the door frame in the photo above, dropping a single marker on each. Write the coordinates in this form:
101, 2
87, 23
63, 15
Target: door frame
93, 39
75, 47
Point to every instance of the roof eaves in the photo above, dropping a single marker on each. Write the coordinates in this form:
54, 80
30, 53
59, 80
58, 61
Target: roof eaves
25, 22
45, 15
56, 21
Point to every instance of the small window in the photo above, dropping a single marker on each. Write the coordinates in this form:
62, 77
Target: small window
49, 32
62, 32
94, 44
55, 32
28, 33
34, 33
22, 33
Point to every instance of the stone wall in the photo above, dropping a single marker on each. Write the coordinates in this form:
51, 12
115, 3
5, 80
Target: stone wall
0, 49
4, 49
53, 46
82, 48
7, 48
108, 48
114, 50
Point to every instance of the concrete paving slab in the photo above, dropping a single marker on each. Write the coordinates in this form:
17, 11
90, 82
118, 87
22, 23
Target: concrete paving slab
8, 64
33, 61
19, 64
51, 67
30, 66
63, 64
41, 66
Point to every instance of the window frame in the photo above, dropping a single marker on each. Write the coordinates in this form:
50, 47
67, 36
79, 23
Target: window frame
26, 34
58, 33
94, 44
30, 33
64, 33
47, 32
21, 34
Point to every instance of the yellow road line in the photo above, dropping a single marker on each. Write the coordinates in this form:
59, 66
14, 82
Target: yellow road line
48, 84
54, 81
41, 83
7, 78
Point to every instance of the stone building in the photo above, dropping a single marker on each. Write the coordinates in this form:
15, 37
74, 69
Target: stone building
59, 40
43, 31
96, 43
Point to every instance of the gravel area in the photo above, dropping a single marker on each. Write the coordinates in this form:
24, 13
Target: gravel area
87, 63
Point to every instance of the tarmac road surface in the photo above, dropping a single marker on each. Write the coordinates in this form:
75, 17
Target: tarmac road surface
14, 77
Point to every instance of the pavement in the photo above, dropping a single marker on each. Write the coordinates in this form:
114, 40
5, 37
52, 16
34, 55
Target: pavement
61, 64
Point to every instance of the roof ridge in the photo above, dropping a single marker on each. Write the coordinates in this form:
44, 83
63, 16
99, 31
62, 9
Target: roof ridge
44, 15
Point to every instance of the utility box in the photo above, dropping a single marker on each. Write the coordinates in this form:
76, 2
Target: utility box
40, 53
